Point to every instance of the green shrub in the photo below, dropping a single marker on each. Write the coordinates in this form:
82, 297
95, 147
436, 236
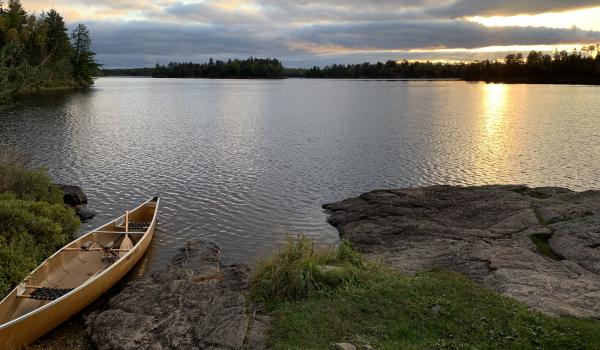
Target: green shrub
32, 185
300, 269
29, 233
33, 222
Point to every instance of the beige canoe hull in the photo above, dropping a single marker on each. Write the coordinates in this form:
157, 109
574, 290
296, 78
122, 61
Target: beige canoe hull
32, 326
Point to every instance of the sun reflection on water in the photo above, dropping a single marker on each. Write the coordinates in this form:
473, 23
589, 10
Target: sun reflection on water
494, 103
494, 138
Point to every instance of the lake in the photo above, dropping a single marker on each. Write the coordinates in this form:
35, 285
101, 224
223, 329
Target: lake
248, 162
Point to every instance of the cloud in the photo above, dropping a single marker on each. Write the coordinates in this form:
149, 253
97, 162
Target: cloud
437, 34
143, 32
460, 8
124, 43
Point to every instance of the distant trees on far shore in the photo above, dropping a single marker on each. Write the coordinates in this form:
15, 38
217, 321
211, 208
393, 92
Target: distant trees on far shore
579, 66
268, 68
560, 67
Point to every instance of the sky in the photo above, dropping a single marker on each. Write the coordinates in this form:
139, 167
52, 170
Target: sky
303, 33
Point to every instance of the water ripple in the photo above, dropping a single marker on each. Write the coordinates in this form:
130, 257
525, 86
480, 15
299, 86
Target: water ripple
248, 162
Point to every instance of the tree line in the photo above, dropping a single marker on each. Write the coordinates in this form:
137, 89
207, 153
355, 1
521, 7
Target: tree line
579, 66
267, 68
37, 52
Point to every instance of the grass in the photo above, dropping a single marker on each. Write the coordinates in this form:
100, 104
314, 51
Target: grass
300, 269
438, 309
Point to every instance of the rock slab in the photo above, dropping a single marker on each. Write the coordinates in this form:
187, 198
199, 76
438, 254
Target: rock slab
195, 303
485, 232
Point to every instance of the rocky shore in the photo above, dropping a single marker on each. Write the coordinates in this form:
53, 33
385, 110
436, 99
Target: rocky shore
488, 233
194, 303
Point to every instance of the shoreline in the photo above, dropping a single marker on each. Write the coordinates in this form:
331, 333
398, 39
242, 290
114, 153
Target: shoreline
485, 233
508, 82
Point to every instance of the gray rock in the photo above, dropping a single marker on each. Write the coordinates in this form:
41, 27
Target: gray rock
195, 303
258, 335
484, 232
343, 346
73, 195
84, 213
579, 241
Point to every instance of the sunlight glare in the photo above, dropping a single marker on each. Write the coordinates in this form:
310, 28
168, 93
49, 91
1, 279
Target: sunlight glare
586, 19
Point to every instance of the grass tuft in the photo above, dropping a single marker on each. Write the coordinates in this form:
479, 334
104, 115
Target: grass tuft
300, 269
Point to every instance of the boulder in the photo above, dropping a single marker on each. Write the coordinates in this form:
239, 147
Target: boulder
73, 195
485, 232
194, 303
84, 213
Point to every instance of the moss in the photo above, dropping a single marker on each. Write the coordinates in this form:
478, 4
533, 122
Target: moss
541, 240
543, 246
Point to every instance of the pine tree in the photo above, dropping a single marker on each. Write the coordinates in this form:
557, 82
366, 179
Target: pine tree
57, 40
82, 59
2, 29
15, 17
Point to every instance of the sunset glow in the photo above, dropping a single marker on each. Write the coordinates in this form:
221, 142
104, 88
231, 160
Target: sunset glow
587, 19
309, 32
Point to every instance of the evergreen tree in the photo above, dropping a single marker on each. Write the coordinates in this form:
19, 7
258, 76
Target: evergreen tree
2, 26
15, 18
82, 59
57, 40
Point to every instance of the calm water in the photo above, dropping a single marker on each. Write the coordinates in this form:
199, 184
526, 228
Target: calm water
247, 162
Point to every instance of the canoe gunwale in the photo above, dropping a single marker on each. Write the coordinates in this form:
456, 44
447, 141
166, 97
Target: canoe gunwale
93, 278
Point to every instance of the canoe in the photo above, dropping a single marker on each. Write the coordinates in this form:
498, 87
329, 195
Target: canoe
75, 276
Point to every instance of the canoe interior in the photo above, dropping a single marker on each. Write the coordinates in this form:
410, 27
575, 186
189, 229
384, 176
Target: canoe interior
73, 265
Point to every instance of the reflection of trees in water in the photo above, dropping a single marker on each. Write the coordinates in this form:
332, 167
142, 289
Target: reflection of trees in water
51, 98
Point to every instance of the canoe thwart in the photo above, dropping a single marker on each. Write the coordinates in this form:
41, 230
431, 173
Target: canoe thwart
137, 225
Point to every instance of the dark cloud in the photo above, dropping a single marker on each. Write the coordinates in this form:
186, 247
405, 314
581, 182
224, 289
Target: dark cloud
124, 43
304, 31
438, 34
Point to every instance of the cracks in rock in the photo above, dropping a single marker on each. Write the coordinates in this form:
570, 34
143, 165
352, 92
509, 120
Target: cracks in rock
541, 240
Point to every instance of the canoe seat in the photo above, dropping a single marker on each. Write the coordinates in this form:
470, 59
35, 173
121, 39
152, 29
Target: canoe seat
139, 225
48, 293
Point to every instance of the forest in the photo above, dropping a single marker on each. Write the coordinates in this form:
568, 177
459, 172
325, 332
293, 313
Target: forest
579, 66
266, 68
38, 52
